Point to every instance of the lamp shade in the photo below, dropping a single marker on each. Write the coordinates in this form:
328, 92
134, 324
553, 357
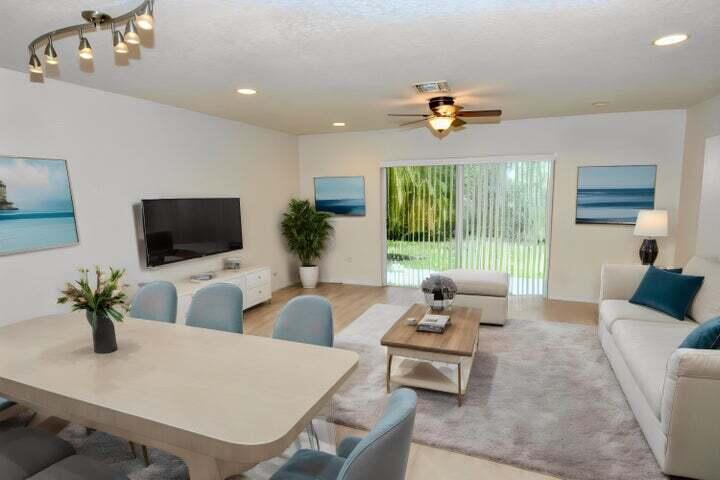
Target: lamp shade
652, 223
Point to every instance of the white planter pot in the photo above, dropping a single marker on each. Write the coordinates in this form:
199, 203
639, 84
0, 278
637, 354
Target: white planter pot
309, 276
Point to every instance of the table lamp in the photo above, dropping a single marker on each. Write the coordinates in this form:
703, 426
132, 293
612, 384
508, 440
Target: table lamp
651, 224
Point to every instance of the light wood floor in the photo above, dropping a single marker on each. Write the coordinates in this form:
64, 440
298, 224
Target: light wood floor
350, 301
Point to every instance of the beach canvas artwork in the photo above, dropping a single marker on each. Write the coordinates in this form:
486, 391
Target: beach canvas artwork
340, 195
36, 207
614, 195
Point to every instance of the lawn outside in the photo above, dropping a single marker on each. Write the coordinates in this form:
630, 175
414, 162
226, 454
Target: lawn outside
408, 263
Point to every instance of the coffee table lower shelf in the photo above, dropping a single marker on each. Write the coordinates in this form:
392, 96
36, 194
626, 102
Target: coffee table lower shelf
431, 371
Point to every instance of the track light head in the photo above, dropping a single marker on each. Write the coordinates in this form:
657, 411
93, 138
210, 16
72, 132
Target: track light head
119, 44
84, 49
131, 35
51, 56
145, 19
34, 65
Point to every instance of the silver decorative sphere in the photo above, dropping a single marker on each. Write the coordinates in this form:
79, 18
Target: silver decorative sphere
439, 292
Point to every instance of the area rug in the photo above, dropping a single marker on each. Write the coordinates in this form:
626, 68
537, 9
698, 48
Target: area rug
542, 396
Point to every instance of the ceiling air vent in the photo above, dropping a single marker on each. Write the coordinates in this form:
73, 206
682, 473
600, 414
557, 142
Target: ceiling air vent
432, 87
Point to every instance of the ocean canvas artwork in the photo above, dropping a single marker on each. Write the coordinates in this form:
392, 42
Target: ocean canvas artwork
36, 206
614, 195
340, 195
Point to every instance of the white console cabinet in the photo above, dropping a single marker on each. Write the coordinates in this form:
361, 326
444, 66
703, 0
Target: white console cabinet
255, 283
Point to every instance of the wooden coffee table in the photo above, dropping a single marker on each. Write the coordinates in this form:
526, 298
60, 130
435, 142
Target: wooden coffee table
457, 347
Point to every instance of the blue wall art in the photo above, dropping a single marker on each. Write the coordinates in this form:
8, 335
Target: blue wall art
340, 195
614, 195
36, 206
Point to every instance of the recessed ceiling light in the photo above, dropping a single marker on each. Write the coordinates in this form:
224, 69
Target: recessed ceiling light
668, 40
339, 124
246, 91
600, 104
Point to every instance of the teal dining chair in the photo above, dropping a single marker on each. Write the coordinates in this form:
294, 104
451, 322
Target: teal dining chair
382, 454
155, 301
217, 307
306, 319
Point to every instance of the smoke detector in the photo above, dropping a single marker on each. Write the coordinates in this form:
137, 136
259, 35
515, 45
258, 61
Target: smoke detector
432, 87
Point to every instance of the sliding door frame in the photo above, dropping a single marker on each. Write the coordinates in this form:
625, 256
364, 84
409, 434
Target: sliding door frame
459, 162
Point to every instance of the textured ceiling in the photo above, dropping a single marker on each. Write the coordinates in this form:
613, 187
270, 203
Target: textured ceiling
315, 62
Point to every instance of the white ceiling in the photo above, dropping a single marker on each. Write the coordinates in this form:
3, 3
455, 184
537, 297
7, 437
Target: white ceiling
315, 62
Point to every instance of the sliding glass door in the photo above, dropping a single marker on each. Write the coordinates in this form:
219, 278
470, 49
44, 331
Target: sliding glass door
478, 215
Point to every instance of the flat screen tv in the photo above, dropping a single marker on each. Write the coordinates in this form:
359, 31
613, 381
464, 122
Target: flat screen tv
181, 229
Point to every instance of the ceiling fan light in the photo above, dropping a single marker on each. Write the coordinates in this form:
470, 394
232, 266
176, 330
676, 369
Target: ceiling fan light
84, 49
131, 35
51, 56
34, 65
145, 19
119, 44
440, 124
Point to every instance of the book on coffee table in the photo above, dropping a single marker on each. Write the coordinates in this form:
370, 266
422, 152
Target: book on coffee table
433, 323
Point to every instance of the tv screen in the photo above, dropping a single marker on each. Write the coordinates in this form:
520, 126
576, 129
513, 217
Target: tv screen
185, 228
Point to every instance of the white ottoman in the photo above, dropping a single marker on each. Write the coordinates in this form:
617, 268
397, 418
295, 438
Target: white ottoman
481, 289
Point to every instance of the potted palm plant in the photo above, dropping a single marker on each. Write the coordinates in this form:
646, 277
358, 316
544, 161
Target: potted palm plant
101, 304
306, 232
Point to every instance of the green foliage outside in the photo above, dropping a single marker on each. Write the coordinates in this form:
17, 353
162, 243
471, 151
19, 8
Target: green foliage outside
504, 224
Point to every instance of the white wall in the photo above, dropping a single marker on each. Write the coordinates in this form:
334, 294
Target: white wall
708, 231
577, 251
703, 122
120, 149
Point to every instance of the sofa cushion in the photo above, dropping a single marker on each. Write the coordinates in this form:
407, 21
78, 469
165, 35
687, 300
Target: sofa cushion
646, 348
78, 467
25, 451
614, 310
479, 282
707, 302
667, 292
705, 336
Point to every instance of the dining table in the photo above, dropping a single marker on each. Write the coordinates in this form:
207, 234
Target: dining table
223, 402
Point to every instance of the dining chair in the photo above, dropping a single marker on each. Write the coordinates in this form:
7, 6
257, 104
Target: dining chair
8, 409
306, 319
382, 454
217, 307
155, 301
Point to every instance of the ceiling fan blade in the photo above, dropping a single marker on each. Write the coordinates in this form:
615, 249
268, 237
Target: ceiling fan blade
409, 115
480, 113
413, 123
458, 122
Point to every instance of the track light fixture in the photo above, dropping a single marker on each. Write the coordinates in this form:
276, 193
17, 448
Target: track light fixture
119, 44
84, 49
131, 35
51, 56
34, 64
139, 17
145, 19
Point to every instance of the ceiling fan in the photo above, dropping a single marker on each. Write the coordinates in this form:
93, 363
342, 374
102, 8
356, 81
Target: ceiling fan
445, 114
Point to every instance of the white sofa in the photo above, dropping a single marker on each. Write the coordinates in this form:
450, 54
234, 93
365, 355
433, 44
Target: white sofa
673, 392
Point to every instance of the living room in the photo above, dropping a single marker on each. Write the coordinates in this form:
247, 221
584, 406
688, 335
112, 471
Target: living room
264, 103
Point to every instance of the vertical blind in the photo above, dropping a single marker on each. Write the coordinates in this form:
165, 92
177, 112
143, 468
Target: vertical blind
488, 216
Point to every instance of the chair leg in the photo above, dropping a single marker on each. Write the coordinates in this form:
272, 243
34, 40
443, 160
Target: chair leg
146, 457
132, 448
313, 437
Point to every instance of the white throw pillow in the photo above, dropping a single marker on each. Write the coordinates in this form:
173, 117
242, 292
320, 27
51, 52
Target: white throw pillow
707, 302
